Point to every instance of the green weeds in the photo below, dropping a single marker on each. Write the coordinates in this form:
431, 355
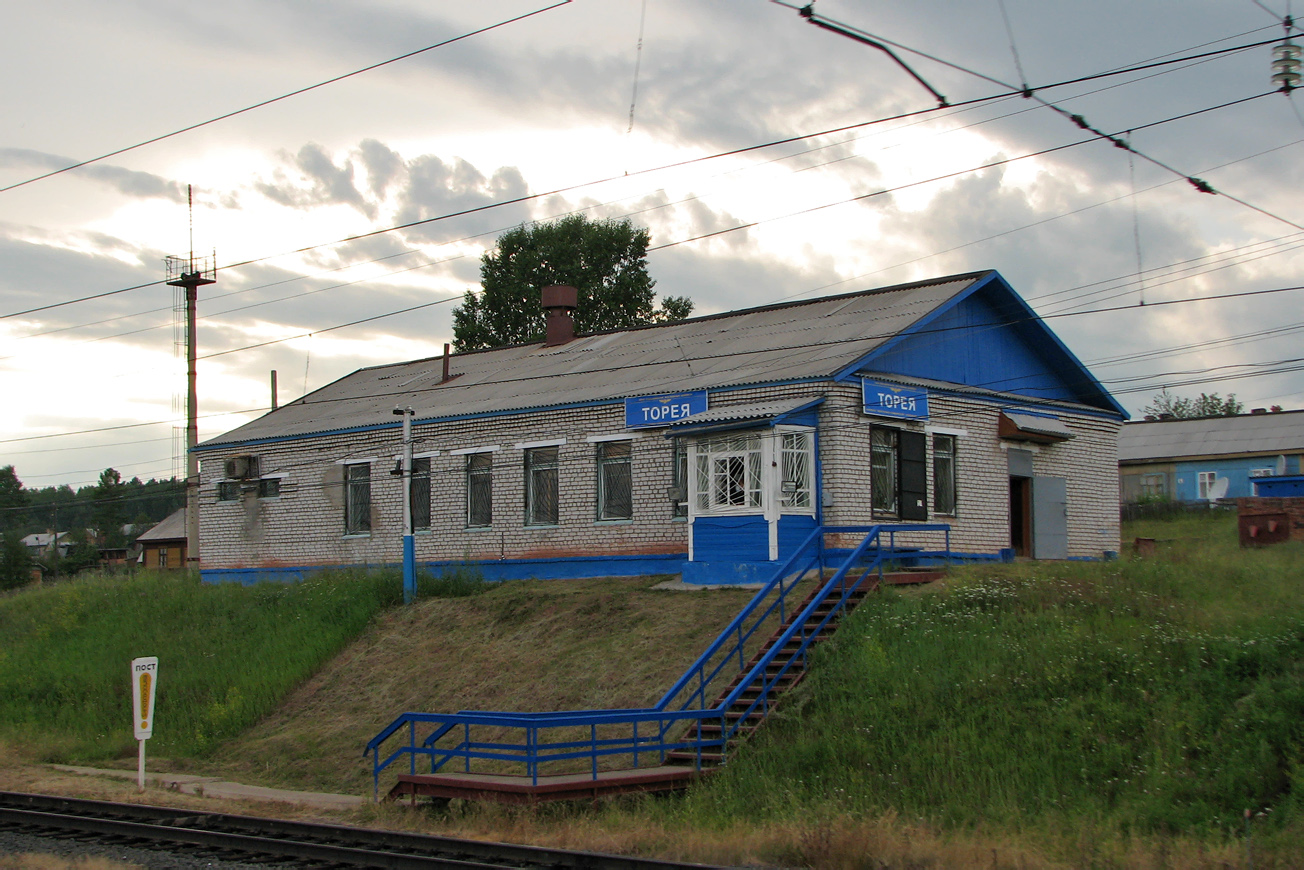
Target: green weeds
1147, 696
227, 654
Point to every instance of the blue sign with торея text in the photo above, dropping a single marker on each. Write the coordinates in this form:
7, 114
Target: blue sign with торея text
646, 411
890, 400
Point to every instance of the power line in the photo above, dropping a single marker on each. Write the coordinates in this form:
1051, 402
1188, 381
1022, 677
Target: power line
675, 165
126, 426
284, 96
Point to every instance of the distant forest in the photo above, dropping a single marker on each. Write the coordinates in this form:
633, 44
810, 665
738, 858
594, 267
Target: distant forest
106, 506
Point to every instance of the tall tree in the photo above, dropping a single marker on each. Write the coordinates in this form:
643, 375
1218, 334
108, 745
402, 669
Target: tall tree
605, 260
110, 512
1204, 405
13, 500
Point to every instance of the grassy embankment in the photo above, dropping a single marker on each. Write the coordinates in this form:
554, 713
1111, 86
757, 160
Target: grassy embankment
228, 655
1092, 704
1035, 715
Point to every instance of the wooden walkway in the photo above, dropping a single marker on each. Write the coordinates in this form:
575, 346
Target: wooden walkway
519, 790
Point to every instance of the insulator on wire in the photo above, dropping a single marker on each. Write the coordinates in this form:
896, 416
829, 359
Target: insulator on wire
1286, 65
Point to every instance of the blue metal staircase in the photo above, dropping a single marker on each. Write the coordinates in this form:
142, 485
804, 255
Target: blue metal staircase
723, 696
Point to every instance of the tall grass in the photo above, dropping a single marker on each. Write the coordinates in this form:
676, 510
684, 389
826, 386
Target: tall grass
227, 654
1144, 697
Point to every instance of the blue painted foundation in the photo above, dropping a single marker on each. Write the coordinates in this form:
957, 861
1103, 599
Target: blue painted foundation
576, 568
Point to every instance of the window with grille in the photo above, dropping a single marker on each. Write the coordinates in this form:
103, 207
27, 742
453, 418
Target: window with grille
269, 487
883, 471
944, 474
479, 490
228, 490
420, 494
357, 499
729, 473
615, 481
797, 463
541, 486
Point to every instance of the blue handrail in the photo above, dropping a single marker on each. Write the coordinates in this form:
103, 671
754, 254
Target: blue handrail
663, 727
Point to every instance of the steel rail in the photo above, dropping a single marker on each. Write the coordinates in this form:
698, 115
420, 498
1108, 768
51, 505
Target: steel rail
336, 844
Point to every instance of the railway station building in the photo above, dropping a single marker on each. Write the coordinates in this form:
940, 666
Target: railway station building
708, 447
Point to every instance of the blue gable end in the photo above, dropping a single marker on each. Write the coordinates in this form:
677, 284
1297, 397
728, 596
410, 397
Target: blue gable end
989, 338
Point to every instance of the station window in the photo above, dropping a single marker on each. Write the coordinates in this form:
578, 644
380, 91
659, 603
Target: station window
615, 481
798, 466
679, 479
944, 474
269, 487
420, 494
228, 490
898, 476
729, 473
541, 486
357, 499
479, 490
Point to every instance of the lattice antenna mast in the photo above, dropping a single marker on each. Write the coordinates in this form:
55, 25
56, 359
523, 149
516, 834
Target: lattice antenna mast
190, 273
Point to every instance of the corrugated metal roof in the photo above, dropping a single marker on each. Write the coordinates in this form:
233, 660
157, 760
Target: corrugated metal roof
795, 341
1282, 432
1040, 425
738, 413
172, 528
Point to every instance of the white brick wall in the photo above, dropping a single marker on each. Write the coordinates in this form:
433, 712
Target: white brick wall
305, 525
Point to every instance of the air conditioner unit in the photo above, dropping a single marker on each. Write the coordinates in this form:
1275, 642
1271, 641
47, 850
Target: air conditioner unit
241, 467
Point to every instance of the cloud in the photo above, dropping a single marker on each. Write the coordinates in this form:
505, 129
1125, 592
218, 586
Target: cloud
142, 185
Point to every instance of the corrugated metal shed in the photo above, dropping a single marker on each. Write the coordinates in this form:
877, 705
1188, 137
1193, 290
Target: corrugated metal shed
1282, 432
791, 342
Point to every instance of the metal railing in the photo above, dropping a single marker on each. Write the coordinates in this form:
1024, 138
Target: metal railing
582, 741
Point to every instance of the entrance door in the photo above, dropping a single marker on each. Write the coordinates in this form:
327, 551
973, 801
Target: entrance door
1021, 515
1050, 518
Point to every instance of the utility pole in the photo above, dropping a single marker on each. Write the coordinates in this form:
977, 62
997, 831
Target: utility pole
409, 544
191, 273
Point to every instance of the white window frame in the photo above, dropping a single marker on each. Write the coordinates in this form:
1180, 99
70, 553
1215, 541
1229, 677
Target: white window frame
531, 470
601, 461
352, 527
1205, 482
783, 455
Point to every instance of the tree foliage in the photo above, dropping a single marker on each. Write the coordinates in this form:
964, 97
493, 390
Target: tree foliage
1204, 405
13, 500
605, 260
15, 561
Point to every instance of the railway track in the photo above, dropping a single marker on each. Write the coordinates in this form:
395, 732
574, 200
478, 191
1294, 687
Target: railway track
252, 839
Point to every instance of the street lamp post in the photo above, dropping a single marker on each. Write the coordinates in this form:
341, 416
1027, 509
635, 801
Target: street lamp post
409, 545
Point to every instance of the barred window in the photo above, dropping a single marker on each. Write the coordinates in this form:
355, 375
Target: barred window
729, 473
269, 487
357, 499
420, 494
479, 490
797, 466
615, 481
679, 479
883, 470
944, 474
228, 490
541, 486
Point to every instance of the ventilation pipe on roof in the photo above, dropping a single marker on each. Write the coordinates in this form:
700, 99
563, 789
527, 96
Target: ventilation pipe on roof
446, 349
559, 305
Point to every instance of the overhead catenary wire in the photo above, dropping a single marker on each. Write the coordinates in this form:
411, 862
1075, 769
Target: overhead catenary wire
285, 96
674, 165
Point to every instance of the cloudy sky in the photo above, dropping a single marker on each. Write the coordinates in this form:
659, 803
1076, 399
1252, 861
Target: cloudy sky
536, 114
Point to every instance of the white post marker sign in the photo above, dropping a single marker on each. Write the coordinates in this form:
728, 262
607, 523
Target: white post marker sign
144, 688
